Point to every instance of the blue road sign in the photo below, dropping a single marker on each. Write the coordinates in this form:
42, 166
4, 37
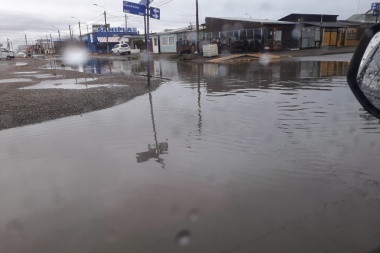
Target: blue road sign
375, 6
133, 8
154, 13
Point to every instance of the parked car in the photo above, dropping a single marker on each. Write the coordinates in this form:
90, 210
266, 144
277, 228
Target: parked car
5, 54
121, 49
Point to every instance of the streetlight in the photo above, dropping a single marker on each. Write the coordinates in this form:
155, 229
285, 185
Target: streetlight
59, 34
105, 23
80, 33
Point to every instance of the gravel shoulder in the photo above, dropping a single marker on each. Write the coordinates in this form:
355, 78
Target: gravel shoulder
21, 107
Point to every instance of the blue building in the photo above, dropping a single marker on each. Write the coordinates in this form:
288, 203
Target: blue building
96, 41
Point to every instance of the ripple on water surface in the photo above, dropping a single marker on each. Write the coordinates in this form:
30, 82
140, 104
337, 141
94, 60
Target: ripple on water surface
242, 163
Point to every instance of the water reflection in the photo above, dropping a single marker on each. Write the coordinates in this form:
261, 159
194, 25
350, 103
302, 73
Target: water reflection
156, 149
101, 66
292, 149
199, 100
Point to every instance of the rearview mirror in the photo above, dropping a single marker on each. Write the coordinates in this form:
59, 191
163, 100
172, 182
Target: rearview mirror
363, 74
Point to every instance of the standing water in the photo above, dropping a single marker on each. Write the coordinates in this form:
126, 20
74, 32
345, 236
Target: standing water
222, 158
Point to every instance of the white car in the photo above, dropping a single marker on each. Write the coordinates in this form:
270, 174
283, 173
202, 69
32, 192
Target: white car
121, 49
5, 54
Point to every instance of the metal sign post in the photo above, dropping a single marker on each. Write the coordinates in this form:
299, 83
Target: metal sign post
147, 42
143, 9
375, 7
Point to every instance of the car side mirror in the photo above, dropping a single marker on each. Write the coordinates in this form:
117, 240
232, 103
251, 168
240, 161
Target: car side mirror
363, 74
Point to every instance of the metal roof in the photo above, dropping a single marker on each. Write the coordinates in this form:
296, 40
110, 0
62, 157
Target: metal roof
182, 29
363, 18
261, 21
327, 24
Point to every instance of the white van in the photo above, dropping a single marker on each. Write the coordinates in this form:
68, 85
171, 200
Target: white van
5, 54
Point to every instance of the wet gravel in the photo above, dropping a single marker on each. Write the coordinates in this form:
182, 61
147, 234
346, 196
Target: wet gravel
20, 107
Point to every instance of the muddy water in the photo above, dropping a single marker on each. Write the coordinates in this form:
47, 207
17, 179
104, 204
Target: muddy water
223, 158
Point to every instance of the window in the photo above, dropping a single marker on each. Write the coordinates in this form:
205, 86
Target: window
164, 41
278, 36
155, 41
350, 34
171, 40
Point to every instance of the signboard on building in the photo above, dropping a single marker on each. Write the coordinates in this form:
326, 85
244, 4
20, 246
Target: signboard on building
96, 26
118, 29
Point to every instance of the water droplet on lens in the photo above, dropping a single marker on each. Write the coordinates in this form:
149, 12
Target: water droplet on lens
264, 60
183, 238
193, 215
14, 226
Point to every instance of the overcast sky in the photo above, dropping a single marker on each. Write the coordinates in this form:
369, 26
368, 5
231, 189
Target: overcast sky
36, 18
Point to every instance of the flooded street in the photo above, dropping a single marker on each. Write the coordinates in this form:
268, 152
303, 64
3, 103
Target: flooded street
240, 157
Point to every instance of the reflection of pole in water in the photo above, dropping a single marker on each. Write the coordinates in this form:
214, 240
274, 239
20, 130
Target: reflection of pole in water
159, 148
109, 65
199, 101
153, 123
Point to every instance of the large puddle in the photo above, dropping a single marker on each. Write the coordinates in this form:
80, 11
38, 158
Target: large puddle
15, 80
72, 84
223, 158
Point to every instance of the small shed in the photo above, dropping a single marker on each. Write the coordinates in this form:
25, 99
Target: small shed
169, 40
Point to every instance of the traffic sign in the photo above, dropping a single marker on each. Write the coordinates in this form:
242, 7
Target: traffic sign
154, 13
133, 8
375, 6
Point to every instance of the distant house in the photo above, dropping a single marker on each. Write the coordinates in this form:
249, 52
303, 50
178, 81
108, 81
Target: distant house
321, 30
367, 18
169, 41
358, 24
131, 39
295, 31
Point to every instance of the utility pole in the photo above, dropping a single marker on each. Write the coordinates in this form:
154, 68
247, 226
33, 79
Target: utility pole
126, 24
26, 41
48, 44
147, 41
52, 44
197, 23
41, 46
105, 23
80, 33
71, 36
